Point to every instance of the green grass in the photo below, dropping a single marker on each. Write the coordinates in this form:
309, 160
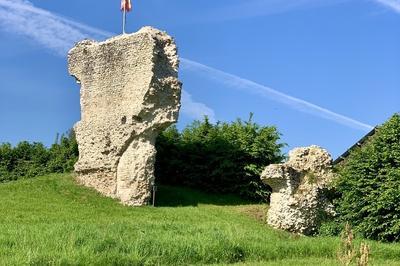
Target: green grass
52, 221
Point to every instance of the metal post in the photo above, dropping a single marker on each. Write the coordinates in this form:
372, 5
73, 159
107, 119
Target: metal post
154, 189
124, 21
154, 196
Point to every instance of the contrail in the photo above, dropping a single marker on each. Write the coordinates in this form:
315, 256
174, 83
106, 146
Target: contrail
59, 34
261, 90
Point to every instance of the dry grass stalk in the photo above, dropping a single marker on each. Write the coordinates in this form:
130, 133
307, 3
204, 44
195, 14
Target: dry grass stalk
347, 252
365, 251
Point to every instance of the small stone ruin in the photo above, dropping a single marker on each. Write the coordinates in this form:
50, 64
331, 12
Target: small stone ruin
130, 92
298, 201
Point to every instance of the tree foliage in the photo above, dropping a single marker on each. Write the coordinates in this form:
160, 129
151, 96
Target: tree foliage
222, 157
369, 185
32, 159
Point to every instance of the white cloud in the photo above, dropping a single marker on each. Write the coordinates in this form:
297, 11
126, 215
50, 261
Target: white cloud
59, 34
195, 109
257, 8
392, 4
52, 31
249, 86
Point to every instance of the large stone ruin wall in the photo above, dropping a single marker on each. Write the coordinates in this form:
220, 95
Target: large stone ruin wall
298, 200
129, 93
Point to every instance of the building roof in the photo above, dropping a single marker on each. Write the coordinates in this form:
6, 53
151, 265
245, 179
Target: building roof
359, 143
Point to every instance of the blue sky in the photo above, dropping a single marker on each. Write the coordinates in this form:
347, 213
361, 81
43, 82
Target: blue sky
323, 71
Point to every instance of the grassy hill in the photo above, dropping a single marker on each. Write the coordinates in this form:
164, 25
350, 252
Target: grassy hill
51, 220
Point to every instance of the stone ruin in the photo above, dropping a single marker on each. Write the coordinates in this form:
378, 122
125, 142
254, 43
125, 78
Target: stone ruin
130, 92
298, 201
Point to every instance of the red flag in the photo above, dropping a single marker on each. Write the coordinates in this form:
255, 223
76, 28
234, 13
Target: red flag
126, 5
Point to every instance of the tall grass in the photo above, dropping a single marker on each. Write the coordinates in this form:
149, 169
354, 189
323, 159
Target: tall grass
52, 221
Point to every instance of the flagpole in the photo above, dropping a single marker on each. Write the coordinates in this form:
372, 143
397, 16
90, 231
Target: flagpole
124, 21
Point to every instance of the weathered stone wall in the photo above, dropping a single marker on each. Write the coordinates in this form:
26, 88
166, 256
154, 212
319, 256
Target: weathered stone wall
129, 93
297, 201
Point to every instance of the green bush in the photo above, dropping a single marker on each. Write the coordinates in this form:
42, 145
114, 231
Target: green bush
63, 154
223, 158
33, 159
369, 185
330, 228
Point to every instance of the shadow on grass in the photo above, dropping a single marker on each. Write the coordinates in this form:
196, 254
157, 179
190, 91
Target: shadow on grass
168, 196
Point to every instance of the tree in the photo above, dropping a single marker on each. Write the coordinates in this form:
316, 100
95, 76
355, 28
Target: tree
27, 160
221, 157
369, 185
